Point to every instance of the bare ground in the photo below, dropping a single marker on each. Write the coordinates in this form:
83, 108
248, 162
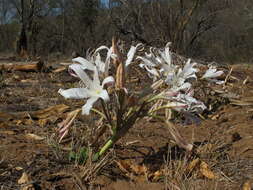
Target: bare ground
223, 140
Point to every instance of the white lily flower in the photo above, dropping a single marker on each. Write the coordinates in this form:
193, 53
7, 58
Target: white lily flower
151, 63
160, 65
166, 54
193, 104
177, 81
93, 90
212, 73
188, 70
166, 60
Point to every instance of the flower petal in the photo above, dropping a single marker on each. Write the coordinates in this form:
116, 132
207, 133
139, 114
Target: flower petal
184, 86
188, 70
104, 95
212, 73
166, 55
99, 63
130, 54
96, 81
107, 80
107, 60
216, 74
176, 105
219, 82
101, 48
170, 77
74, 93
81, 74
84, 62
146, 61
87, 107
152, 71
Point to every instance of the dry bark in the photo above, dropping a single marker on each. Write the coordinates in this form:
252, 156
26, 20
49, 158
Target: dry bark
31, 67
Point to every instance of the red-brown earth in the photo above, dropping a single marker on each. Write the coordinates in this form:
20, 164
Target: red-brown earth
223, 139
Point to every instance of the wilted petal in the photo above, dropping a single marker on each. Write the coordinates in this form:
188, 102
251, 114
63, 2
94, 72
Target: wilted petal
74, 93
84, 62
87, 107
107, 80
72, 73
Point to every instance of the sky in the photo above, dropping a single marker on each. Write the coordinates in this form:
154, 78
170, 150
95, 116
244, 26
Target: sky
105, 2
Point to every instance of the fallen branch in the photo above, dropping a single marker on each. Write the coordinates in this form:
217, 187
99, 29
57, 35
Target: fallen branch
31, 67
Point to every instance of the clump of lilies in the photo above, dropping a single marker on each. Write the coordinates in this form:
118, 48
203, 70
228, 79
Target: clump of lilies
121, 107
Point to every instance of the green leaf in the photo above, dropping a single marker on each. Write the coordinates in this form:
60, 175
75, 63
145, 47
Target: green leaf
79, 157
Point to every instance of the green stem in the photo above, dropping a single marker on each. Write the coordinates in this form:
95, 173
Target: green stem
107, 145
106, 113
99, 113
119, 132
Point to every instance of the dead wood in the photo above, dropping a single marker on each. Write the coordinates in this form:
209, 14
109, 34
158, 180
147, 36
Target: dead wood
31, 67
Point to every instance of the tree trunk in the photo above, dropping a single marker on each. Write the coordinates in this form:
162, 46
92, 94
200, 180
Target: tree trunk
22, 42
